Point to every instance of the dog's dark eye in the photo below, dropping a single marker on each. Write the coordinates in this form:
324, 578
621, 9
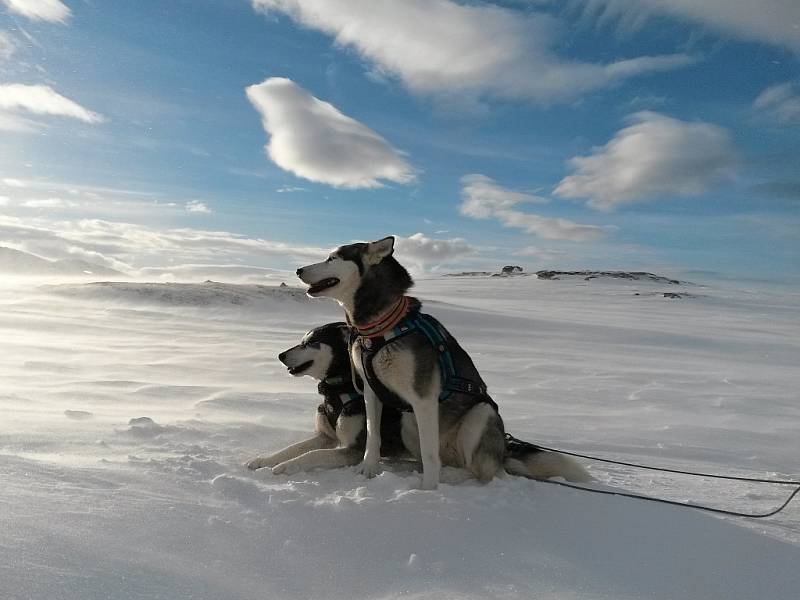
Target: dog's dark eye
330, 258
314, 345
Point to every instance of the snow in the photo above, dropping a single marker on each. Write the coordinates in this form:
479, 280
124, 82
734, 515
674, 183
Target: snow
129, 409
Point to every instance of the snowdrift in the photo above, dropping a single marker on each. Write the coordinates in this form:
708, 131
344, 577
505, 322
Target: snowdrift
129, 409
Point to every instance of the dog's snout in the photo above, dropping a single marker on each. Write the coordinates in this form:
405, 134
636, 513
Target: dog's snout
299, 272
282, 356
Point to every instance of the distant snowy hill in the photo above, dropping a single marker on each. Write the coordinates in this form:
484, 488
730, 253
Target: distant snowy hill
23, 264
210, 293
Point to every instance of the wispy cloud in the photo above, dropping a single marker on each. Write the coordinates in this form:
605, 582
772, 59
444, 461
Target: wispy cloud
43, 100
655, 156
482, 198
773, 22
195, 206
13, 182
48, 203
541, 254
315, 141
7, 46
444, 48
17, 123
781, 102
53, 11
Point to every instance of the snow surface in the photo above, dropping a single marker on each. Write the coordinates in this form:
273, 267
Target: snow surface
129, 409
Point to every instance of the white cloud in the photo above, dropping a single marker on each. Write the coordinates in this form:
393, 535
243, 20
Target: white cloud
43, 100
54, 11
484, 199
4, 200
781, 102
769, 21
195, 206
655, 156
419, 250
315, 141
453, 50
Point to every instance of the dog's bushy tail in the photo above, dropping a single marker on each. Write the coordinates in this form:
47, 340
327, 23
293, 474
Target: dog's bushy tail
528, 460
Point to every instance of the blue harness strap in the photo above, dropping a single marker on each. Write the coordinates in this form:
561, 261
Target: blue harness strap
437, 336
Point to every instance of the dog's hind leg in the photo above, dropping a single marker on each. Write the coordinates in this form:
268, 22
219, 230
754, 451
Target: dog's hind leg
315, 443
481, 442
319, 459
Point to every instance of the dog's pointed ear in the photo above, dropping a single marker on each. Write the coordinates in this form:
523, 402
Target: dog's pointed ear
377, 251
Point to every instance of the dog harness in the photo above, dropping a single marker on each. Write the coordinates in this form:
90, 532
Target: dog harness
458, 371
341, 398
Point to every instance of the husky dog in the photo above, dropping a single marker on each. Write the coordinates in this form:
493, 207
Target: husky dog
407, 360
340, 425
341, 428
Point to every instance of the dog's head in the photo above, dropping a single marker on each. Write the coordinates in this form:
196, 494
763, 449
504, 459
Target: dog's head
345, 271
322, 353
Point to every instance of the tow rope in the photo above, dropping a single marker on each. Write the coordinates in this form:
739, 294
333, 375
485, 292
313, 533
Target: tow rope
703, 507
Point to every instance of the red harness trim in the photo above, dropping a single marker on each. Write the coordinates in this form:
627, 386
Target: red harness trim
387, 322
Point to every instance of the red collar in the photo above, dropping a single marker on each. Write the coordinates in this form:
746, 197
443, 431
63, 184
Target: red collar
387, 322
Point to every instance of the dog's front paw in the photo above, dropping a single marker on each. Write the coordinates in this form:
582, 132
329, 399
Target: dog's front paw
428, 484
285, 468
260, 462
368, 469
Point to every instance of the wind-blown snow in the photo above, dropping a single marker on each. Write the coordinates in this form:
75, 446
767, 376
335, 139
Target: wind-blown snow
129, 409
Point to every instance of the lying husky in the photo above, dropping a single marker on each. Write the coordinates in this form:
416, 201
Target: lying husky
341, 427
409, 361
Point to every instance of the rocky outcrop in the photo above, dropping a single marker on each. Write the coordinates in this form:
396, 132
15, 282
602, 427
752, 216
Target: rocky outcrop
589, 275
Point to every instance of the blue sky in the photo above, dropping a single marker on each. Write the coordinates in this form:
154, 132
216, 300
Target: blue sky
632, 134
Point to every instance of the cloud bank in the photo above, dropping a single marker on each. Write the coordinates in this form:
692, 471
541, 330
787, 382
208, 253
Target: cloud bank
53, 11
315, 141
128, 246
655, 156
442, 48
482, 198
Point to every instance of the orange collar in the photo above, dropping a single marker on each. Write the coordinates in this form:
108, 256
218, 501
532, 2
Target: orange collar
387, 322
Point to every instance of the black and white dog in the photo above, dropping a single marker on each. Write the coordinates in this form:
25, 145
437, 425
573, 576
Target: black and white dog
341, 428
407, 360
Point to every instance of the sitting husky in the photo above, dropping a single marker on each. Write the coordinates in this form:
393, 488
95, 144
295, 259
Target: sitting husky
341, 428
340, 425
408, 360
